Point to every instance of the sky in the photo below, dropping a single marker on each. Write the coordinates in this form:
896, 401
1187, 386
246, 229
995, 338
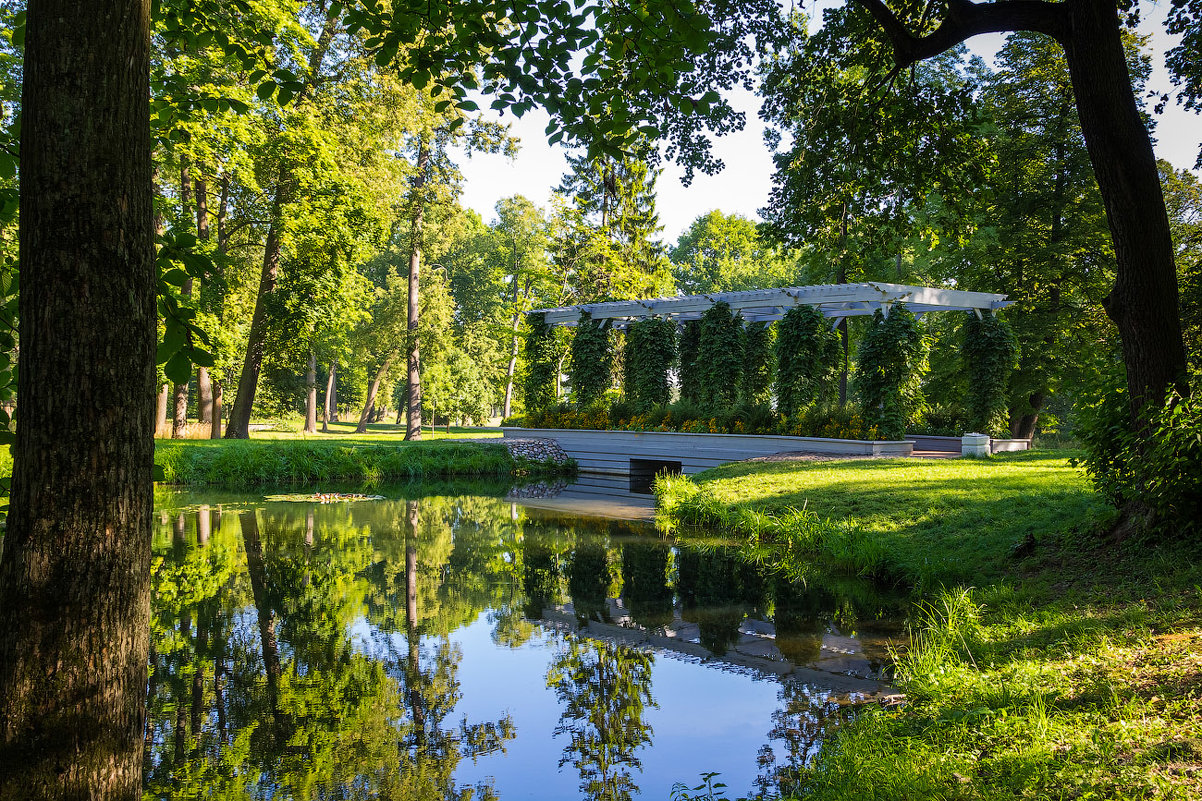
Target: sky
744, 185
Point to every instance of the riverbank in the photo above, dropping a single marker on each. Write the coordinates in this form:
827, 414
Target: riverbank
234, 464
1044, 660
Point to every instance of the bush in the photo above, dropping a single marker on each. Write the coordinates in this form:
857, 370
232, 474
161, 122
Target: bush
807, 357
591, 360
650, 352
989, 352
1161, 470
720, 356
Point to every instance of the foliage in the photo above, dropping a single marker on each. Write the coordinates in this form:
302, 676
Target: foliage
719, 361
690, 366
807, 358
649, 354
539, 389
831, 420
889, 366
756, 386
592, 360
724, 252
1160, 472
989, 353
1183, 200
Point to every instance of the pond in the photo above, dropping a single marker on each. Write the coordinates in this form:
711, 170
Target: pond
483, 642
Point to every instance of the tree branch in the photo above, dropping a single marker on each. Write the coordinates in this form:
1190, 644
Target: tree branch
965, 19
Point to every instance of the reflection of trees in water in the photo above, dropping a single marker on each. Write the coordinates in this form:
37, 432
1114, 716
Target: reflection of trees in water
801, 613
717, 590
588, 581
793, 741
257, 688
605, 689
646, 592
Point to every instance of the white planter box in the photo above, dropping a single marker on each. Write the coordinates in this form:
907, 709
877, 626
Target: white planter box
613, 451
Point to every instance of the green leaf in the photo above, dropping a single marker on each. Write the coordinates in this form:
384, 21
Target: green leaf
178, 368
266, 90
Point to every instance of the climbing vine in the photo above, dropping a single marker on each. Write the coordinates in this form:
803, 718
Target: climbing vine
650, 352
807, 359
989, 351
757, 364
891, 360
592, 361
720, 356
539, 384
690, 373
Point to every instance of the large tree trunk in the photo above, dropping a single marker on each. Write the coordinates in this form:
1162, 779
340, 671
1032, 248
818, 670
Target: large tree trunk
1143, 301
204, 396
311, 394
373, 389
413, 383
75, 573
327, 409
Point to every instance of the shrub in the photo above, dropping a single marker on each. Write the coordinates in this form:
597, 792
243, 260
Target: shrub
1162, 470
690, 371
758, 339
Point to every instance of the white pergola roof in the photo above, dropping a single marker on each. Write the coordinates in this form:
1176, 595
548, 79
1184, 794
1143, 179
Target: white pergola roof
763, 305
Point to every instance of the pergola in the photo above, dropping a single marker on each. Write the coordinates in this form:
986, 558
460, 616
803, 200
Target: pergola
836, 301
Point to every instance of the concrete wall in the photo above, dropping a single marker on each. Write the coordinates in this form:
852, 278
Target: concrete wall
611, 451
929, 442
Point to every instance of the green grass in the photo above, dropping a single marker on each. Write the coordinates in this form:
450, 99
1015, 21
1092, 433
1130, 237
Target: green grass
921, 521
238, 463
1070, 668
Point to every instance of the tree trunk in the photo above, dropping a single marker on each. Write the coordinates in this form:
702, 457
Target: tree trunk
311, 394
413, 383
179, 419
1022, 423
252, 362
204, 396
75, 573
1143, 301
369, 406
218, 411
160, 411
507, 408
179, 422
327, 409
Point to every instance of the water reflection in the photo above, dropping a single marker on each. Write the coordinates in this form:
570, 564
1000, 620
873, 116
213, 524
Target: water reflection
355, 650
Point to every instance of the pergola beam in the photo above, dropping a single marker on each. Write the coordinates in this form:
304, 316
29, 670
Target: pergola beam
765, 305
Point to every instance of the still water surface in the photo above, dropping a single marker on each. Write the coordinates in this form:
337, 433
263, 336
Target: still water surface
453, 642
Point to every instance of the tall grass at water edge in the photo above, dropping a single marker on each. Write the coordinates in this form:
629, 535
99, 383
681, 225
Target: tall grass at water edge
235, 464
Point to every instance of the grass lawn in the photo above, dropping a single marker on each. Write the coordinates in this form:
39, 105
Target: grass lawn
1067, 667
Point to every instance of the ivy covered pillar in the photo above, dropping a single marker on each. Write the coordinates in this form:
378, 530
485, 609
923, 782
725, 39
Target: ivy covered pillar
539, 385
592, 360
649, 355
690, 372
988, 352
889, 367
720, 356
756, 387
808, 357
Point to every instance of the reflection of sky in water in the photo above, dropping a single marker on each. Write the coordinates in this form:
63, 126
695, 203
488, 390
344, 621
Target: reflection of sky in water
707, 720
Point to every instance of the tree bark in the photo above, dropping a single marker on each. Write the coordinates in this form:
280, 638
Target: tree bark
413, 383
327, 408
179, 421
311, 394
75, 573
204, 396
